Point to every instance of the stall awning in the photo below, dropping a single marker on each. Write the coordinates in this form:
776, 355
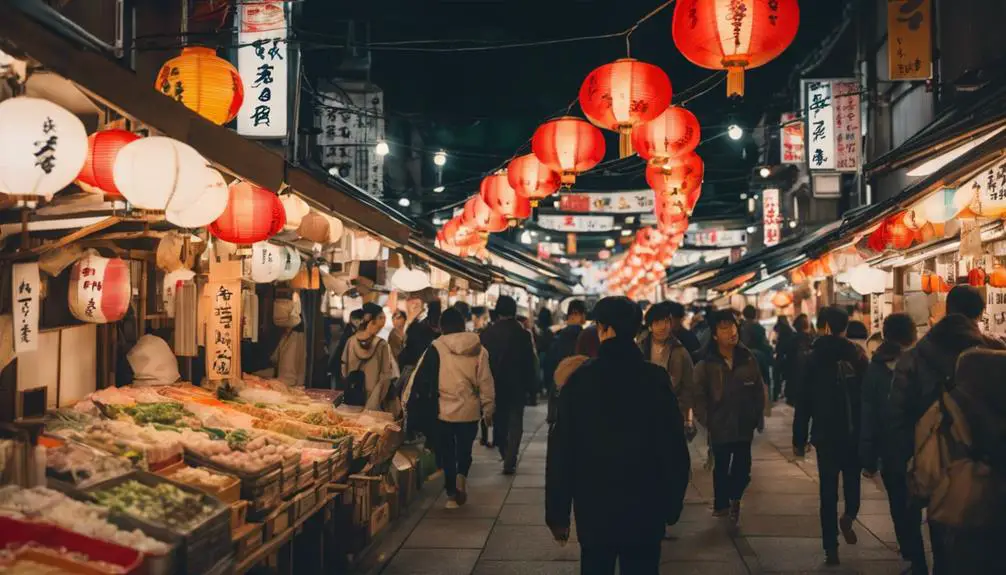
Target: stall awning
679, 277
477, 276
121, 90
546, 269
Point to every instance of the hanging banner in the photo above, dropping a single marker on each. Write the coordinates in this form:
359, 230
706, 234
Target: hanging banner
636, 202
26, 287
262, 63
351, 118
715, 238
793, 151
876, 312
771, 216
848, 132
576, 223
909, 39
223, 330
820, 129
833, 127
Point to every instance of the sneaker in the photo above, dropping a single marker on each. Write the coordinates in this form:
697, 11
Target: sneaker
721, 512
831, 557
462, 495
451, 504
845, 524
735, 511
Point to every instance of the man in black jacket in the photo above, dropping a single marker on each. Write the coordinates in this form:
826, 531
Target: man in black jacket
616, 413
831, 398
563, 346
922, 374
512, 361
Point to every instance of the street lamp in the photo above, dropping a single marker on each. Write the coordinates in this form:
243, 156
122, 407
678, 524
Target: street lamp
438, 189
525, 237
764, 172
382, 149
609, 243
735, 132
404, 202
752, 229
440, 158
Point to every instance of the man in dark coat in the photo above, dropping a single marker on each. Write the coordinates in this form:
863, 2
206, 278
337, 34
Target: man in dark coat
875, 451
831, 398
923, 373
563, 346
616, 413
512, 361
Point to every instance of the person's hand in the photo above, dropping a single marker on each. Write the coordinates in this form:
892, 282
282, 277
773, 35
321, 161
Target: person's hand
761, 426
560, 534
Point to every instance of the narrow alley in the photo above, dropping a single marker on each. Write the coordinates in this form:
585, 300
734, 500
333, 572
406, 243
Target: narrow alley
501, 530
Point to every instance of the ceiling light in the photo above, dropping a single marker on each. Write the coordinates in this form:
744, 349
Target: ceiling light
333, 171
534, 234
744, 196
609, 243
752, 229
440, 158
764, 172
792, 223
735, 132
525, 238
439, 221
404, 202
548, 238
438, 189
555, 204
617, 227
382, 149
626, 232
630, 219
563, 261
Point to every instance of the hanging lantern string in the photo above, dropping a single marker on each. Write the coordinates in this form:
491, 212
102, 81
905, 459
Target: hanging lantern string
628, 33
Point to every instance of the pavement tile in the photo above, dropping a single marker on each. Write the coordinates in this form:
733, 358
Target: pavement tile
733, 566
526, 496
528, 480
780, 525
454, 533
527, 568
432, 561
513, 514
792, 554
471, 510
527, 543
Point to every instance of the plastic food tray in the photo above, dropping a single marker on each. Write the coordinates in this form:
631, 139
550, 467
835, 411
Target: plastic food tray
228, 493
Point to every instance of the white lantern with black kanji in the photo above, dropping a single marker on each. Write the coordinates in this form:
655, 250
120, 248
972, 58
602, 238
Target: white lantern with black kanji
99, 289
42, 148
266, 262
291, 261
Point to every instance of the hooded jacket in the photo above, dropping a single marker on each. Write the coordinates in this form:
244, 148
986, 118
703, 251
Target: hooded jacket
679, 367
834, 406
373, 358
874, 439
924, 372
730, 402
464, 379
616, 413
512, 360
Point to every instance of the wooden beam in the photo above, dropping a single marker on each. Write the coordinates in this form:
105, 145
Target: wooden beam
63, 241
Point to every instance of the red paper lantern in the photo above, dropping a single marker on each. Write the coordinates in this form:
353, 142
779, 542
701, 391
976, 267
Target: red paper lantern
672, 134
102, 148
531, 178
623, 94
678, 175
480, 216
734, 35
569, 146
782, 299
253, 215
498, 195
797, 277
976, 277
100, 289
897, 234
457, 233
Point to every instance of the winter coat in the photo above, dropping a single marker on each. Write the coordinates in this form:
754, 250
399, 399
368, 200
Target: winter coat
397, 342
457, 366
982, 399
923, 372
730, 403
679, 367
831, 402
874, 441
617, 453
373, 358
512, 360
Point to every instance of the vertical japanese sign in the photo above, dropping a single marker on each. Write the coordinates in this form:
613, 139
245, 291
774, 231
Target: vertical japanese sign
771, 216
25, 308
262, 63
351, 119
223, 330
876, 312
909, 39
820, 131
994, 319
793, 151
848, 132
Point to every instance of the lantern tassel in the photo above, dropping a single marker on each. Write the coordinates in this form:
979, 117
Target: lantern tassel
735, 81
625, 148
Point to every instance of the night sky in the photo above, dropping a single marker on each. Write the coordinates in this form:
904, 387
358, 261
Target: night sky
481, 106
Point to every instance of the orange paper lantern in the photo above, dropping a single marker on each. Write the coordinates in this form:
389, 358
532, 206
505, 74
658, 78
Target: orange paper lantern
998, 276
205, 83
782, 299
480, 216
672, 134
102, 148
532, 178
623, 94
500, 197
678, 175
569, 146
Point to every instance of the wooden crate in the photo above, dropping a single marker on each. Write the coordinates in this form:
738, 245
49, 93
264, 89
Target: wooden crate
279, 520
247, 539
239, 514
380, 519
366, 495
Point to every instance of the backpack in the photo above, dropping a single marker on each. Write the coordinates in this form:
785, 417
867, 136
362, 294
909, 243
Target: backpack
962, 488
356, 388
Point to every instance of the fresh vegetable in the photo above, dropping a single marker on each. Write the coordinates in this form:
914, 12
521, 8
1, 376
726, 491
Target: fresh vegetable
164, 504
164, 413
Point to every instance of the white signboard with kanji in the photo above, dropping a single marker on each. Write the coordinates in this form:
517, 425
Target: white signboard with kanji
771, 216
576, 223
262, 63
833, 128
714, 238
223, 330
820, 113
26, 287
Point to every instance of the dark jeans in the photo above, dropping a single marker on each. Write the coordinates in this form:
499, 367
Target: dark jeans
508, 429
832, 462
455, 442
907, 517
637, 559
731, 472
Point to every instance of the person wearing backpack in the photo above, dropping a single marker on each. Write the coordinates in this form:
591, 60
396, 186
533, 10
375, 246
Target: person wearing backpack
923, 374
831, 399
367, 361
875, 446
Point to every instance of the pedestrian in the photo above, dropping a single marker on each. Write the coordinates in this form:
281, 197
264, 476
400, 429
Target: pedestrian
755, 338
455, 371
421, 332
858, 334
512, 359
544, 337
587, 346
367, 361
480, 318
922, 374
687, 338
875, 446
335, 359
730, 404
701, 329
784, 334
466, 312
797, 354
831, 400
563, 346
662, 348
617, 455
396, 339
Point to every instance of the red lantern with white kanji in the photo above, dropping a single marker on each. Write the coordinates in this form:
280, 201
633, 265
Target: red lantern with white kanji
678, 175
734, 35
498, 195
624, 94
569, 146
457, 233
672, 134
100, 289
531, 178
480, 216
253, 215
102, 148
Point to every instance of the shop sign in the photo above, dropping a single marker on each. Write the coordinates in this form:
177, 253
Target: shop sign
223, 330
771, 216
994, 320
833, 124
262, 63
576, 224
551, 248
713, 238
351, 122
792, 139
25, 288
876, 313
988, 188
636, 202
909, 39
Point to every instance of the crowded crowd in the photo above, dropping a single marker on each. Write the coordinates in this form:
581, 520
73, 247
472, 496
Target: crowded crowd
628, 386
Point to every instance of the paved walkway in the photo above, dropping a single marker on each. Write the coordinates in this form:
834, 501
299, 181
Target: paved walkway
501, 530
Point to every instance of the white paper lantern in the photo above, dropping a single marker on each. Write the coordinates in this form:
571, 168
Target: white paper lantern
100, 290
408, 280
159, 173
42, 147
172, 281
204, 212
291, 260
266, 262
866, 280
335, 229
365, 248
295, 209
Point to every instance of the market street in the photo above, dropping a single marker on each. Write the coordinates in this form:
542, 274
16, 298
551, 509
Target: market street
501, 530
